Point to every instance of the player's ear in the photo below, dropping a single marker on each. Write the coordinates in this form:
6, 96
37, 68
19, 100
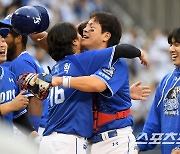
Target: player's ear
107, 36
76, 45
75, 42
18, 39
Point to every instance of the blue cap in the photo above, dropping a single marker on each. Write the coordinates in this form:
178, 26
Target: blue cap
4, 32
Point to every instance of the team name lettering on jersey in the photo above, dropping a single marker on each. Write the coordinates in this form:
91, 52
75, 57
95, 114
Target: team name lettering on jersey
66, 67
7, 96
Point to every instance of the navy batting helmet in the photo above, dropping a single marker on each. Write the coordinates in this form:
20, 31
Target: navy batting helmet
6, 22
30, 19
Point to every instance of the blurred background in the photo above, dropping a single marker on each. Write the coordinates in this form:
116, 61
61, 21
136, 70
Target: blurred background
145, 24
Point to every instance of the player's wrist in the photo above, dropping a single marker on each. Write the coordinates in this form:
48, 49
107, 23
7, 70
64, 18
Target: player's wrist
66, 81
56, 81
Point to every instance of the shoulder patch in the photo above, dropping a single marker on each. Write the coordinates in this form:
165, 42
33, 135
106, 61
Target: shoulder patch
109, 71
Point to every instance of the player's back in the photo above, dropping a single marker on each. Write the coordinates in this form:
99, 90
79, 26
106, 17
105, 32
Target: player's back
69, 109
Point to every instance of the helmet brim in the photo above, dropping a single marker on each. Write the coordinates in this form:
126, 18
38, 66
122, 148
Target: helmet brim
4, 32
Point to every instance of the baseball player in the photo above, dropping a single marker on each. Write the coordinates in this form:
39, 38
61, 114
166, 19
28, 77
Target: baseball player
8, 92
70, 110
24, 62
21, 62
112, 118
12, 104
162, 125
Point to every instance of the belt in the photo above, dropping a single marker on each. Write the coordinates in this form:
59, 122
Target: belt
103, 136
102, 118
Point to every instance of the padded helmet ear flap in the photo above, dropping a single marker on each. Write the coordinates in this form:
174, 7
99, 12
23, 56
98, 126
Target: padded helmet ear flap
30, 19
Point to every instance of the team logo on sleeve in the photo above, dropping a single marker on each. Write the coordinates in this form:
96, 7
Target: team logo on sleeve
171, 103
109, 71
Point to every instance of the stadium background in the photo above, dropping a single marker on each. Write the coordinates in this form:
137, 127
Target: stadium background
145, 24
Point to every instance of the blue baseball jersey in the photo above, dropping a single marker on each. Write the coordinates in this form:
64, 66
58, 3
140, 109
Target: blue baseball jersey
6, 64
25, 63
117, 97
8, 91
70, 110
162, 126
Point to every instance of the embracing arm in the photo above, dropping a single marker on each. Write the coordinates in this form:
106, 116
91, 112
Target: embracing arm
129, 51
24, 125
83, 83
40, 40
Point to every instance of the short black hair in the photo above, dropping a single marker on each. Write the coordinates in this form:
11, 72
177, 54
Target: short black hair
81, 27
60, 39
109, 23
174, 34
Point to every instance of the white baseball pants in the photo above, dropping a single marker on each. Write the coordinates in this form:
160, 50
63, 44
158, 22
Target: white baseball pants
58, 143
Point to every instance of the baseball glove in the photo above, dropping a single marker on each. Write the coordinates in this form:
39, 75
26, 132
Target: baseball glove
37, 84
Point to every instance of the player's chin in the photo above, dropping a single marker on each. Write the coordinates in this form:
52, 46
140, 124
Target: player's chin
85, 43
176, 63
3, 59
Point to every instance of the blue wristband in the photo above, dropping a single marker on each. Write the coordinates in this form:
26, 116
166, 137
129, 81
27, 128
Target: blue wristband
35, 121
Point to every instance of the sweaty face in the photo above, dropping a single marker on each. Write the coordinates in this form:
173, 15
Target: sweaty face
175, 52
3, 50
92, 36
11, 47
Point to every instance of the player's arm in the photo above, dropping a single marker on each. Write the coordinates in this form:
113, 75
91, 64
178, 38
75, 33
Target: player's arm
83, 83
151, 126
138, 92
40, 40
129, 51
35, 111
21, 101
24, 125
94, 84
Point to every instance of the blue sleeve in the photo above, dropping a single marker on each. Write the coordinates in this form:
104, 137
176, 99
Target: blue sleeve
114, 77
92, 60
151, 126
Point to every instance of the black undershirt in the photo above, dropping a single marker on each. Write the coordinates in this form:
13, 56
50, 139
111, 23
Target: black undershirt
126, 51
